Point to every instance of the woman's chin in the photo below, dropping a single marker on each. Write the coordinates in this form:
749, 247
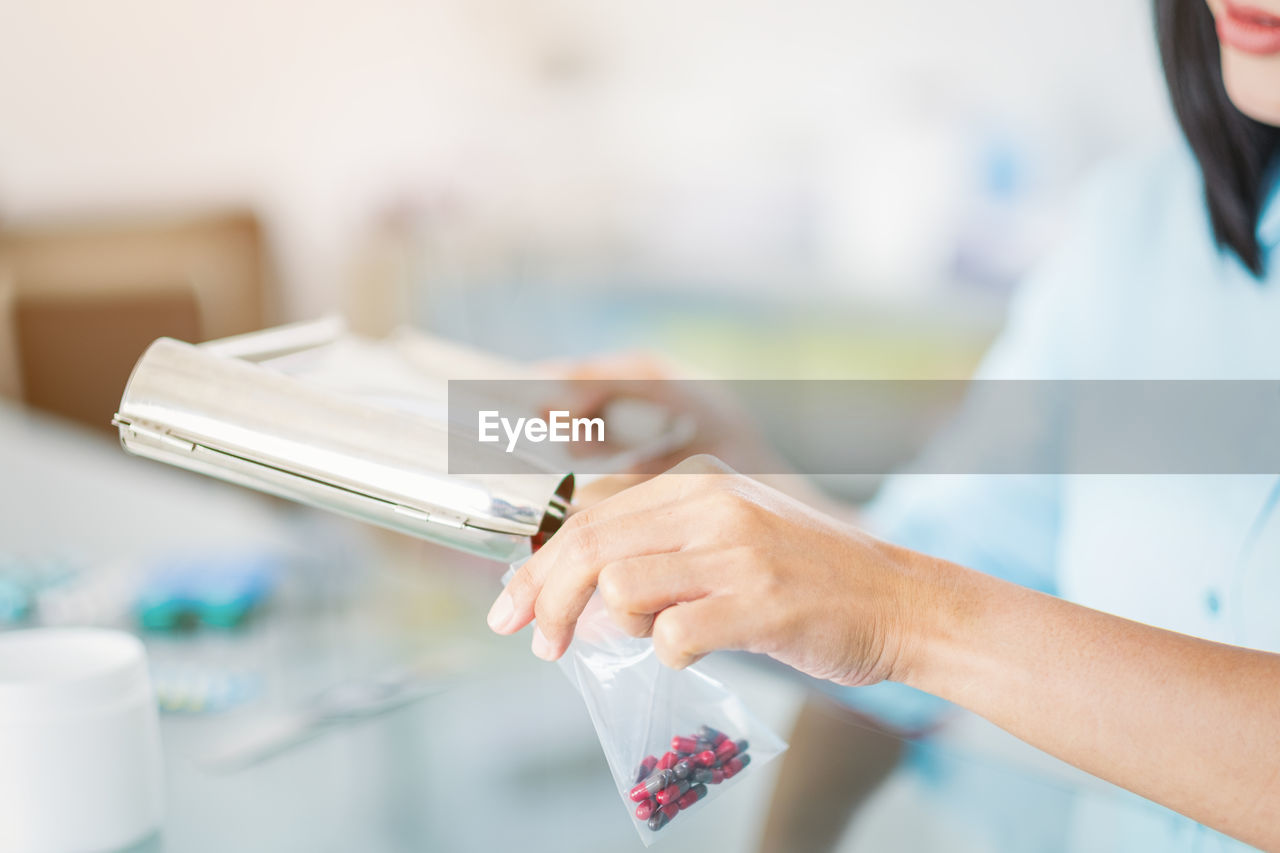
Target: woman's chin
1253, 84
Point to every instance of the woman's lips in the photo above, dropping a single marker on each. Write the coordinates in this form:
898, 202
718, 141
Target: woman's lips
1248, 29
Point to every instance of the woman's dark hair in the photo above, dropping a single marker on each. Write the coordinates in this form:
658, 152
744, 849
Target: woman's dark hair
1234, 150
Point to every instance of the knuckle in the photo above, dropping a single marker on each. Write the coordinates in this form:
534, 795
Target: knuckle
703, 463
744, 557
551, 621
728, 507
764, 576
770, 585
672, 636
522, 587
612, 586
583, 539
632, 624
579, 519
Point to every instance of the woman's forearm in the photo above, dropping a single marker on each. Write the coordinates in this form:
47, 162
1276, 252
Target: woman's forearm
1188, 723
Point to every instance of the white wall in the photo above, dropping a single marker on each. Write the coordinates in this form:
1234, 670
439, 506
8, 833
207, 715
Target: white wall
675, 126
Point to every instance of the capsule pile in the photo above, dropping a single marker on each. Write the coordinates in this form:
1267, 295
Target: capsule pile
668, 785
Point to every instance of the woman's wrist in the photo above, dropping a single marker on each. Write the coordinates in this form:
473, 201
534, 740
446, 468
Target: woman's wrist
947, 610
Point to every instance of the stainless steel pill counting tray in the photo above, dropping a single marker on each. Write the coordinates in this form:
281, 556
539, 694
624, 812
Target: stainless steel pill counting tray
226, 410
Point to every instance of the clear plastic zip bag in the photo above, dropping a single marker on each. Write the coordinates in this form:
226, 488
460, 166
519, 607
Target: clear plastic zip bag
673, 739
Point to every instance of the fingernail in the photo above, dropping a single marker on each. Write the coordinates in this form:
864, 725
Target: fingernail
541, 645
501, 612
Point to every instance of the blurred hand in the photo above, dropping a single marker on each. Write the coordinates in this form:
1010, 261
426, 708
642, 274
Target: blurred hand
723, 427
702, 558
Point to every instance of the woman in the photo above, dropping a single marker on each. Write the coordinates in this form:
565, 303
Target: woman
1174, 274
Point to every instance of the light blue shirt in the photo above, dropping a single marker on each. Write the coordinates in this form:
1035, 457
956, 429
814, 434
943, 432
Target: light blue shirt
1139, 290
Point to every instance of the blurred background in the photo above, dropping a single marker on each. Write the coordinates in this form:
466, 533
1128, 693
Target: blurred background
754, 189
555, 177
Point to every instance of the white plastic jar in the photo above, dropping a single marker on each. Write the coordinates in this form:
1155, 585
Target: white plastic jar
80, 768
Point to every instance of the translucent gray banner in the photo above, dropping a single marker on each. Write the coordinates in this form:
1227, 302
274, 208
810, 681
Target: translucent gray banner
871, 427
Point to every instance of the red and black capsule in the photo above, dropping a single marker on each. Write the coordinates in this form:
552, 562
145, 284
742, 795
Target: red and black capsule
691, 796
684, 768
646, 767
658, 781
667, 761
663, 816
672, 792
726, 750
685, 745
647, 807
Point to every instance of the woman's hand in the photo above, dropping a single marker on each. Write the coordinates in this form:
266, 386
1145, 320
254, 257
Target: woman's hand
703, 559
723, 426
